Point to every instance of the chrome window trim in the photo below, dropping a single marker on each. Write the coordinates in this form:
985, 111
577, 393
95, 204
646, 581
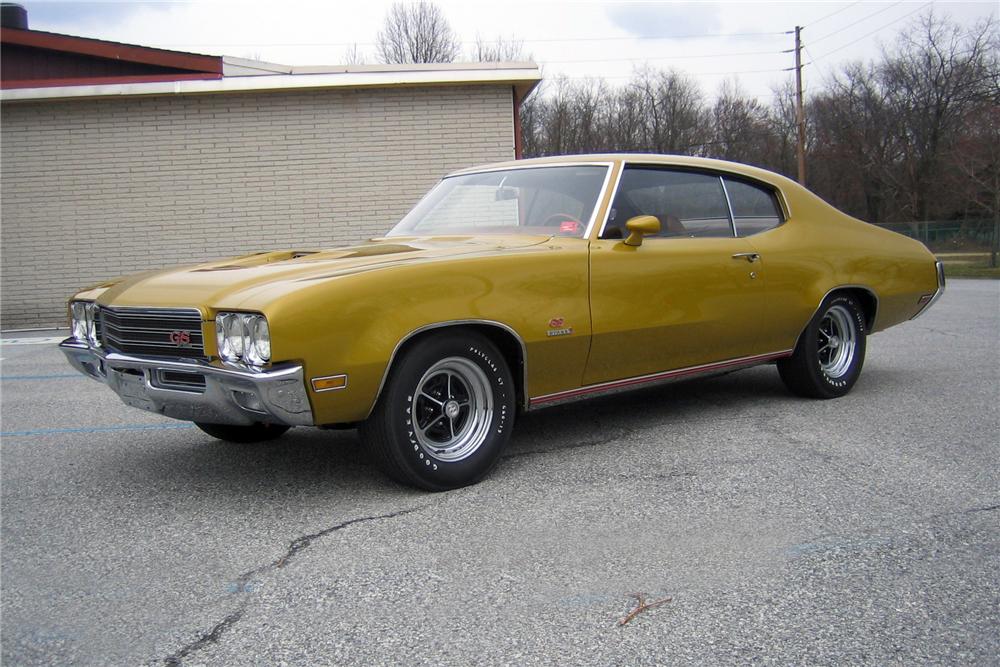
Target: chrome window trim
776, 192
545, 165
454, 323
786, 208
783, 205
600, 200
668, 167
614, 193
729, 205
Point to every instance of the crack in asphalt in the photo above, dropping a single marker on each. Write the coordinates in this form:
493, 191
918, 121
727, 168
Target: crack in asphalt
939, 331
294, 547
990, 508
210, 637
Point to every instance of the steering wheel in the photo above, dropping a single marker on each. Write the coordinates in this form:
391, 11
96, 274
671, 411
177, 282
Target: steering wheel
559, 218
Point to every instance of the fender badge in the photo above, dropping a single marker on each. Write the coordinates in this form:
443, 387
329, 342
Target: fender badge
559, 332
556, 322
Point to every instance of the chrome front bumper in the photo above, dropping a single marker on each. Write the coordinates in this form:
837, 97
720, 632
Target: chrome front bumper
197, 390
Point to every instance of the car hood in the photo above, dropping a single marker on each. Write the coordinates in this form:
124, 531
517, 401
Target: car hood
203, 285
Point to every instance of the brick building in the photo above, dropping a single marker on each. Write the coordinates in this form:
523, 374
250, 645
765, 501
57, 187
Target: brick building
119, 158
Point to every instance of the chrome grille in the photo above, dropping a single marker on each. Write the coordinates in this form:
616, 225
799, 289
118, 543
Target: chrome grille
161, 332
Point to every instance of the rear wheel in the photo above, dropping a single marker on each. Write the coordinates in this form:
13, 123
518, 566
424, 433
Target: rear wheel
446, 413
243, 434
830, 353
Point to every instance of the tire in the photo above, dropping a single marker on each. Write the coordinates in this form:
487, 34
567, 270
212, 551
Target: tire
243, 434
830, 353
445, 415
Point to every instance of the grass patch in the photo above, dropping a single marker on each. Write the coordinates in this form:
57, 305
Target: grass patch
971, 265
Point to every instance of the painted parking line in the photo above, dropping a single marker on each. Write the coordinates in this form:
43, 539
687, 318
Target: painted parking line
94, 429
36, 340
59, 376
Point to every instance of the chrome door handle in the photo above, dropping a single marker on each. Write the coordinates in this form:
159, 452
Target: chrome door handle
748, 256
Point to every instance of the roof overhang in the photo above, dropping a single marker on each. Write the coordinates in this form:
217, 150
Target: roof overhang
112, 50
266, 77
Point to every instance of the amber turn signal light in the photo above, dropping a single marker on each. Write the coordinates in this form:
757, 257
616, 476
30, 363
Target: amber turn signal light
329, 383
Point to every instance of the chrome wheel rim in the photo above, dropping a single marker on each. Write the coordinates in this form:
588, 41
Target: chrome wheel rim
837, 341
452, 409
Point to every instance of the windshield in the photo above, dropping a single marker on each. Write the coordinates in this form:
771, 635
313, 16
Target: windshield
554, 201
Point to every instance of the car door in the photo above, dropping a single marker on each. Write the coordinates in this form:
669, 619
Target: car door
691, 295
759, 216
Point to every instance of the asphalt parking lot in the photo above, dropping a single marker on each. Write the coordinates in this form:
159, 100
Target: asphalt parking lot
864, 530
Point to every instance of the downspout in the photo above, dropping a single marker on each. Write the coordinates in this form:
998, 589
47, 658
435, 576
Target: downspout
518, 149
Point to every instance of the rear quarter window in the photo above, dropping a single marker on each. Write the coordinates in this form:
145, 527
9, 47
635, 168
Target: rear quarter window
755, 207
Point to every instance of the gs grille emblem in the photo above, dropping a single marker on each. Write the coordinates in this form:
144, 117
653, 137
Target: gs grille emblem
180, 338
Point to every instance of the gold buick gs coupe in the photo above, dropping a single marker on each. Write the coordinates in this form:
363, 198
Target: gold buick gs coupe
509, 287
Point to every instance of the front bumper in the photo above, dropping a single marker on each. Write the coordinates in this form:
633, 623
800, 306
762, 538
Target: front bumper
196, 390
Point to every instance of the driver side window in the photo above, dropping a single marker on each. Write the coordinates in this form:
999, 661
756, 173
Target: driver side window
687, 203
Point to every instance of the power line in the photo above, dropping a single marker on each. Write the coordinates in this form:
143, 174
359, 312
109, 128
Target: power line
687, 57
693, 74
851, 25
811, 58
553, 40
865, 36
833, 13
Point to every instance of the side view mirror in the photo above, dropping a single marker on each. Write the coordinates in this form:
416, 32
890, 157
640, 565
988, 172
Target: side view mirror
640, 225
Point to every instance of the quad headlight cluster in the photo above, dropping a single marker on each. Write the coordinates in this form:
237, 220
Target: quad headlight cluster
84, 320
243, 337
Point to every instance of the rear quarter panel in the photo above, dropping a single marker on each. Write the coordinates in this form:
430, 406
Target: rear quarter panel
820, 249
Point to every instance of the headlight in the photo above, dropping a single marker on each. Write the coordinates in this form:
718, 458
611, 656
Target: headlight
84, 315
78, 314
91, 313
259, 349
243, 337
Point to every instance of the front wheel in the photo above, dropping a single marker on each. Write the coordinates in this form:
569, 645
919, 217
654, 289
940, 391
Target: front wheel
446, 413
830, 353
243, 434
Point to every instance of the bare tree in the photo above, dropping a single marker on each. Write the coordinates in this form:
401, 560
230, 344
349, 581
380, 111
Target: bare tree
674, 111
740, 125
499, 50
354, 56
976, 174
856, 145
936, 74
416, 33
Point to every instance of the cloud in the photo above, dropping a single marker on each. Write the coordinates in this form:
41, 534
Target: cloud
76, 15
663, 20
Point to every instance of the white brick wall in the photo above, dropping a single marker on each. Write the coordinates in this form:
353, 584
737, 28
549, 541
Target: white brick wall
94, 189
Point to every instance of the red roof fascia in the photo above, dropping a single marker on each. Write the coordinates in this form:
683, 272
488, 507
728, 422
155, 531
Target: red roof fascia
107, 80
112, 50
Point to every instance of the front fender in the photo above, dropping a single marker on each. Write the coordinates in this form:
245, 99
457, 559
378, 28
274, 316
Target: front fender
353, 325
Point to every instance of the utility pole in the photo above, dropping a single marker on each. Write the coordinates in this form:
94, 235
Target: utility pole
800, 116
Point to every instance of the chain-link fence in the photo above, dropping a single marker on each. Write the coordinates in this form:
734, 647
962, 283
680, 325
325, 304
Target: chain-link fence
969, 235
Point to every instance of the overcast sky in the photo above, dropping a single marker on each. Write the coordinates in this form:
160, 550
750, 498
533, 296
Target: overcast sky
709, 40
